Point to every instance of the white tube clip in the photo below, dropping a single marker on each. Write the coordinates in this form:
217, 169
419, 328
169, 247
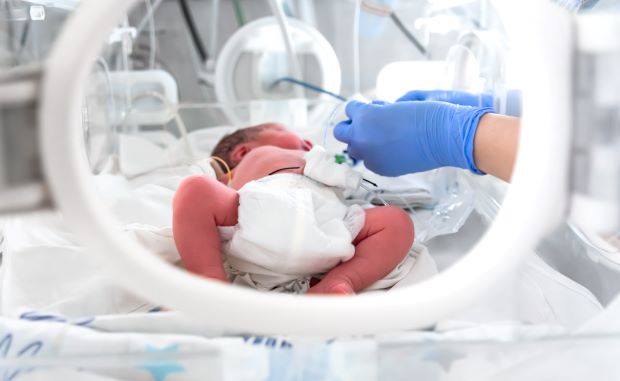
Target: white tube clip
322, 167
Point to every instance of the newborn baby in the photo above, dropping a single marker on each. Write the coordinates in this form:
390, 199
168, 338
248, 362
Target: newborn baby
275, 228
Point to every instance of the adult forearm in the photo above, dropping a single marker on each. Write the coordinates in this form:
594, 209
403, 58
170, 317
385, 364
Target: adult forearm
496, 144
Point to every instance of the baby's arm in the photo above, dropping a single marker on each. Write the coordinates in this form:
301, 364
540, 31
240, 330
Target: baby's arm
381, 245
200, 205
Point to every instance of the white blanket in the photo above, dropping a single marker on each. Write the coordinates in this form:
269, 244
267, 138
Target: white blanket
48, 278
57, 304
45, 270
169, 347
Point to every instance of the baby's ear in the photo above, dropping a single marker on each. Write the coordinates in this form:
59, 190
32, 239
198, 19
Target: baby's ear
239, 152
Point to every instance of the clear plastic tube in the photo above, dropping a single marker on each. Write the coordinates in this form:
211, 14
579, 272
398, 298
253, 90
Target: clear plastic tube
356, 48
152, 39
335, 116
374, 193
215, 13
278, 12
112, 138
147, 16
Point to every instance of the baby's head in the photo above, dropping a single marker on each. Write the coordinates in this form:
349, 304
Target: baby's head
232, 148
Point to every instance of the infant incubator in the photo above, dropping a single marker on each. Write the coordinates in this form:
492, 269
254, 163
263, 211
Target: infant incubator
106, 106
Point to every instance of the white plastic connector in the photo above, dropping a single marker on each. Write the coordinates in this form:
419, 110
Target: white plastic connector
321, 166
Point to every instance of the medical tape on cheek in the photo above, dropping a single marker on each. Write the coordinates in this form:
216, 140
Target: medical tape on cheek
322, 167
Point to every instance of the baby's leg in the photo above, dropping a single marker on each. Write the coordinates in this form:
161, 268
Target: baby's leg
200, 205
382, 244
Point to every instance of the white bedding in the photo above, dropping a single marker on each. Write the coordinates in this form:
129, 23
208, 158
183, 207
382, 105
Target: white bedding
47, 276
45, 269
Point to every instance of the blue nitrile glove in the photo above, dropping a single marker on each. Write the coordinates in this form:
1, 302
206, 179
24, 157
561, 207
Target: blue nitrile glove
462, 98
403, 137
509, 104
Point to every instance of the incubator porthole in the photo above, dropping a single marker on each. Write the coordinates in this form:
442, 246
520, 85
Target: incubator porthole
160, 95
144, 136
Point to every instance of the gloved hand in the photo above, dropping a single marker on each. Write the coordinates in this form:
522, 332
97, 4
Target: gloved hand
462, 98
510, 104
403, 137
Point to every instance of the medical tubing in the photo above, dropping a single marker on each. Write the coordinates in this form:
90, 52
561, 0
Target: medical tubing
152, 39
24, 38
10, 27
307, 12
370, 182
146, 19
191, 25
405, 202
356, 47
282, 169
238, 13
374, 193
213, 35
399, 24
295, 68
308, 86
330, 121
288, 10
126, 67
376, 8
112, 137
222, 163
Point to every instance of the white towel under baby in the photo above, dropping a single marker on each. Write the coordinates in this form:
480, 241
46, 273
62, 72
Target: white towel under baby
290, 228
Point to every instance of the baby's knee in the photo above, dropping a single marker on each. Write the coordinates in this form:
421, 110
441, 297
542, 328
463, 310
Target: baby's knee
202, 193
192, 189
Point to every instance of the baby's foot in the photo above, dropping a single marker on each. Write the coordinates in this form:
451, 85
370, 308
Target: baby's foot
339, 287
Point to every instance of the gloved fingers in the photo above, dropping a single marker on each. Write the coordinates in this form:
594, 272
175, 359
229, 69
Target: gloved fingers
414, 95
343, 131
354, 153
486, 100
379, 102
353, 107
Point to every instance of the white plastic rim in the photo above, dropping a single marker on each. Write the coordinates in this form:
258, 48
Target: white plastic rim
534, 204
230, 53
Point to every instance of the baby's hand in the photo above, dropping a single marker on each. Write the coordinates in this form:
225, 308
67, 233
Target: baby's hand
335, 287
215, 273
220, 279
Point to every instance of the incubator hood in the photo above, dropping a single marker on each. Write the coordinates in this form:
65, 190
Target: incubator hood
51, 170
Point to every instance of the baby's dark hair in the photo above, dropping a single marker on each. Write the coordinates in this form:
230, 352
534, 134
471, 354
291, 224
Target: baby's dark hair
227, 144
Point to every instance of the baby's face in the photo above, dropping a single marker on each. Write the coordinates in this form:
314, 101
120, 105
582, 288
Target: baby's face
279, 136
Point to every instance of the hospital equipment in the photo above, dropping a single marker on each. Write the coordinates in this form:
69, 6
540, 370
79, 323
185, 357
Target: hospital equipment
50, 107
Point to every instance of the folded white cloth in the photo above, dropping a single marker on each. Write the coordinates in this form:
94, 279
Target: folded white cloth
321, 166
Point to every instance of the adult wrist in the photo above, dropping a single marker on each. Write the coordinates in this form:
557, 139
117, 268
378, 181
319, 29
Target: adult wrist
469, 125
